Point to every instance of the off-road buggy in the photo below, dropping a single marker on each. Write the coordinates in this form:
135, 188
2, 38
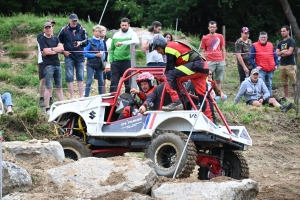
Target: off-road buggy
89, 127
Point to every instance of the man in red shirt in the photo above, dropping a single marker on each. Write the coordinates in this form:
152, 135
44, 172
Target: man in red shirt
213, 45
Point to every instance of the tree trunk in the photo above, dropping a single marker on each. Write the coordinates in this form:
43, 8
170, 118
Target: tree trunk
290, 16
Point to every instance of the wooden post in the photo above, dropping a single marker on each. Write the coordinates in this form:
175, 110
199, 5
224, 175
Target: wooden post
224, 33
297, 86
133, 64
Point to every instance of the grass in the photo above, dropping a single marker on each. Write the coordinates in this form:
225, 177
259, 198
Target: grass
21, 80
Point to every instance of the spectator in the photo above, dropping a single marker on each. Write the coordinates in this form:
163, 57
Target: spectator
6, 98
168, 36
41, 70
216, 93
107, 42
213, 45
50, 47
145, 82
242, 49
95, 53
257, 94
119, 54
75, 38
153, 58
287, 68
264, 58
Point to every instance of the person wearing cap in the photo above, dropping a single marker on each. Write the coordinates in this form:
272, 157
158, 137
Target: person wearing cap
242, 49
257, 94
264, 58
41, 69
50, 47
74, 38
287, 69
119, 54
153, 58
213, 45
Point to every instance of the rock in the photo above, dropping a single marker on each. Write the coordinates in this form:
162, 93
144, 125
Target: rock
14, 176
96, 177
237, 190
26, 150
38, 196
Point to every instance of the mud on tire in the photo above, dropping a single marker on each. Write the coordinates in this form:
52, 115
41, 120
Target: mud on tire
234, 166
74, 147
165, 151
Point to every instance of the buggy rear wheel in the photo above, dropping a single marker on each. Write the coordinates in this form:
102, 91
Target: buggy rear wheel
165, 151
234, 166
74, 147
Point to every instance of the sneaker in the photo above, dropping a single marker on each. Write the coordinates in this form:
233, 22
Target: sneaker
48, 111
10, 112
173, 106
286, 107
42, 103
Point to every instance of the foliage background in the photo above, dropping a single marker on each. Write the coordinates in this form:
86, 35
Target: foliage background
193, 15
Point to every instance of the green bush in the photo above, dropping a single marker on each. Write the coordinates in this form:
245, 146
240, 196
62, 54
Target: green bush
5, 65
21, 81
18, 51
5, 75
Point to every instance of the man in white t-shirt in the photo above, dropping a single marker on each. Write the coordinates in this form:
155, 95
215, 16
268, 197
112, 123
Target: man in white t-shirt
154, 59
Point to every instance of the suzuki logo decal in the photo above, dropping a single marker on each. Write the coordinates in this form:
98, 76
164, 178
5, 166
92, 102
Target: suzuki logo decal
92, 114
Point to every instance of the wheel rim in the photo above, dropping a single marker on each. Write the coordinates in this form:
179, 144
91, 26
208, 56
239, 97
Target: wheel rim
166, 156
226, 169
71, 153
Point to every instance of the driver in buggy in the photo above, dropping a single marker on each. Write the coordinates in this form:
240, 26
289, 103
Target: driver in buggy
146, 86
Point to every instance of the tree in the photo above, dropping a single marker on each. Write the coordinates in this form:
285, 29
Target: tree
289, 14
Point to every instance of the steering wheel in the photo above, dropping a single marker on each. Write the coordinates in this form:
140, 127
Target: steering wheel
135, 101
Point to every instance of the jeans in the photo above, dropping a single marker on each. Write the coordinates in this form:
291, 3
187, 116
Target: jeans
267, 77
72, 64
156, 64
53, 72
90, 73
218, 98
6, 98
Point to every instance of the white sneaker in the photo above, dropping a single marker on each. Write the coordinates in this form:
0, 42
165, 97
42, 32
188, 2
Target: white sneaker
48, 112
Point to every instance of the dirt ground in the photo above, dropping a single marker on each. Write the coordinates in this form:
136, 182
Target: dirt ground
274, 161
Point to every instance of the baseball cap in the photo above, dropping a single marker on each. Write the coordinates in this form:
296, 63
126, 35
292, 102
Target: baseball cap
51, 20
73, 17
47, 24
255, 71
245, 30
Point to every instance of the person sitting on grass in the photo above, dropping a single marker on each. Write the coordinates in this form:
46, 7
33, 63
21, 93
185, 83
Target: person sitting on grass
216, 93
6, 98
257, 94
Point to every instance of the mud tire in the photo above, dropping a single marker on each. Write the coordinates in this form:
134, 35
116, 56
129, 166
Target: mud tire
234, 166
74, 147
165, 150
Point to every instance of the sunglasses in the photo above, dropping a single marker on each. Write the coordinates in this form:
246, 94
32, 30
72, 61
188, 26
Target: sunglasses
210, 74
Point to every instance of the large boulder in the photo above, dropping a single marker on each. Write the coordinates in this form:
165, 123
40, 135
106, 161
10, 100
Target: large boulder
26, 150
14, 176
96, 177
230, 190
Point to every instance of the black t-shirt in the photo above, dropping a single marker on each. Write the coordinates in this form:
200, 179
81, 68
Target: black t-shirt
285, 45
48, 43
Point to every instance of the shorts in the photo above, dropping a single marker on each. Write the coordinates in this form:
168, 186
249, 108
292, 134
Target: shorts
106, 74
53, 72
287, 72
218, 69
72, 64
41, 71
250, 102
